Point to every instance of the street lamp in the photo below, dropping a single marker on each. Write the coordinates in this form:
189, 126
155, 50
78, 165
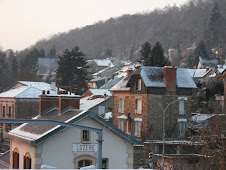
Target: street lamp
163, 126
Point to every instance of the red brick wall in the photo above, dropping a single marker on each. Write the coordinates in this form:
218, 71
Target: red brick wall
88, 93
46, 102
170, 77
130, 107
65, 102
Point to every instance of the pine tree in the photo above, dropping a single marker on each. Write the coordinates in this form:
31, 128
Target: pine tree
14, 65
3, 64
52, 52
157, 56
145, 53
72, 70
215, 30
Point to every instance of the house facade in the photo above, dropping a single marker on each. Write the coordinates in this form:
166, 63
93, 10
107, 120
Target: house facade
140, 97
34, 145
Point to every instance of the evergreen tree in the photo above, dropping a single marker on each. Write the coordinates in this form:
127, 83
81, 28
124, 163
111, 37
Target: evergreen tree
201, 51
215, 30
72, 70
157, 56
31, 60
14, 65
52, 52
3, 64
145, 53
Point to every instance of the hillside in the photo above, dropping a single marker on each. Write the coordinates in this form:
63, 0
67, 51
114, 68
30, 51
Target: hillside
174, 27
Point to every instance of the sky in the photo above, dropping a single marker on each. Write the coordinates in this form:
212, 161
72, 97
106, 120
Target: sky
24, 22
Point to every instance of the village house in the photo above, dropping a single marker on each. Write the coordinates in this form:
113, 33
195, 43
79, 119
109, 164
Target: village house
21, 100
137, 100
201, 75
34, 145
99, 101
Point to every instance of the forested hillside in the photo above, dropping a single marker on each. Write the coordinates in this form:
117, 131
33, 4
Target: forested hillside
175, 27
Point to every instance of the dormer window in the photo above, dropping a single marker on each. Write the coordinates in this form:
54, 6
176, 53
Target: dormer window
139, 84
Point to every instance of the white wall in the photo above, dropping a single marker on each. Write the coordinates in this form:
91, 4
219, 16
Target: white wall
57, 151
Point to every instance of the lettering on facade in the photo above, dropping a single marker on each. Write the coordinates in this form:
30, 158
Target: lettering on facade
84, 147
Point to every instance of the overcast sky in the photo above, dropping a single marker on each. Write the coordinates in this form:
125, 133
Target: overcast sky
23, 22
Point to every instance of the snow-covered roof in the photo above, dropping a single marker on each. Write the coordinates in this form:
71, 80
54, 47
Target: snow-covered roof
121, 85
108, 115
103, 70
201, 117
111, 83
38, 85
198, 73
103, 62
154, 77
13, 92
100, 92
87, 103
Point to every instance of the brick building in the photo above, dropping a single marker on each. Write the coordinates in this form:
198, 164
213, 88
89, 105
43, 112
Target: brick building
137, 98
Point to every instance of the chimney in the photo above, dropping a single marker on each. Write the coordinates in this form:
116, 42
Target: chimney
43, 91
129, 71
48, 92
46, 102
106, 79
75, 91
66, 101
170, 77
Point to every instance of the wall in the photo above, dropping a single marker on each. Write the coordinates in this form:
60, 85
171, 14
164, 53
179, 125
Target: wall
130, 107
27, 108
107, 103
155, 116
59, 147
23, 149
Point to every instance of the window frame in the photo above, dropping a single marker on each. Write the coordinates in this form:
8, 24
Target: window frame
121, 105
121, 124
106, 166
138, 110
3, 111
85, 136
138, 125
10, 111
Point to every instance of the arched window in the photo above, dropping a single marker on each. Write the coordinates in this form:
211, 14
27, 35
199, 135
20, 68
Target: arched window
15, 159
84, 163
27, 161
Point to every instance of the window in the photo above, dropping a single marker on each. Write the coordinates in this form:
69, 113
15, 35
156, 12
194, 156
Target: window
182, 127
139, 84
137, 128
3, 111
84, 163
104, 163
138, 106
15, 159
27, 161
101, 110
181, 107
10, 111
120, 124
85, 136
121, 106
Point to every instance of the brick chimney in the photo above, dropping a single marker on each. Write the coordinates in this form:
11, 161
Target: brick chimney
46, 102
170, 77
129, 71
67, 101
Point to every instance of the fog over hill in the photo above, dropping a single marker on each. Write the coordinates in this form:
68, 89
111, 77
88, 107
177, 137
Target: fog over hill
175, 27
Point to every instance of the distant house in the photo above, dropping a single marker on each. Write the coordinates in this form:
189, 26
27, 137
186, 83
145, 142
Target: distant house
98, 82
202, 75
47, 66
108, 71
21, 100
111, 83
33, 145
210, 63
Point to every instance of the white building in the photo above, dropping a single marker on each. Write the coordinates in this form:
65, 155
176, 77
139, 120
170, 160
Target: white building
33, 145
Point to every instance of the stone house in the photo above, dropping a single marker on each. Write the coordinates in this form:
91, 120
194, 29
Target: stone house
138, 99
34, 145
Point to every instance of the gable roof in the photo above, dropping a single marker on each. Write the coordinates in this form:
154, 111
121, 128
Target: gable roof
103, 63
100, 92
35, 134
87, 103
198, 73
99, 82
154, 77
111, 83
